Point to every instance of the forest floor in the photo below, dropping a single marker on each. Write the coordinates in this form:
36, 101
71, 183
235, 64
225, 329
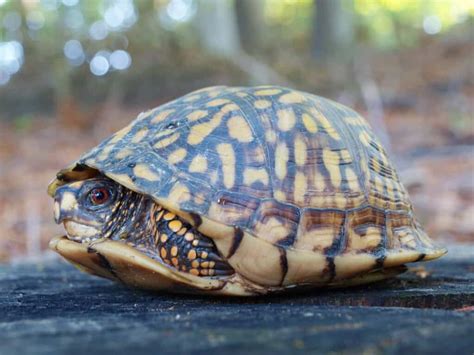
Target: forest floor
428, 117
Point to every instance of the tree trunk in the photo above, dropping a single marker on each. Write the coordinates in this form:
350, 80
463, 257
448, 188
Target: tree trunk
250, 24
332, 30
217, 26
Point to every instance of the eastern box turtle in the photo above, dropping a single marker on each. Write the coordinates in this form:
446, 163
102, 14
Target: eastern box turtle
239, 191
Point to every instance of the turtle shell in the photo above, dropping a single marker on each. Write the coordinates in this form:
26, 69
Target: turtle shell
293, 188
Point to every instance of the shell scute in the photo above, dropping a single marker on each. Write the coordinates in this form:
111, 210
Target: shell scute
276, 222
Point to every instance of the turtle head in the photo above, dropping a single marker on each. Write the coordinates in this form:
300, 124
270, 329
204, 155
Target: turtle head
87, 208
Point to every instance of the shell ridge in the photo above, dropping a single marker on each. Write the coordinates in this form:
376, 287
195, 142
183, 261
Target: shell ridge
259, 133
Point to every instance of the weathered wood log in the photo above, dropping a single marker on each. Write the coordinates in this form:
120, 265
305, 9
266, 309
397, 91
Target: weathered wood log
52, 308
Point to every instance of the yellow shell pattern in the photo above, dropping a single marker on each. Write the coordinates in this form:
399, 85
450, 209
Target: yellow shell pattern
272, 174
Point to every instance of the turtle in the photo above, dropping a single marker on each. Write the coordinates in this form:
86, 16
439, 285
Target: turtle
239, 191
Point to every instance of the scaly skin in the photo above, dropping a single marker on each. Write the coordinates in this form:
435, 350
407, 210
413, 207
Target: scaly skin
139, 222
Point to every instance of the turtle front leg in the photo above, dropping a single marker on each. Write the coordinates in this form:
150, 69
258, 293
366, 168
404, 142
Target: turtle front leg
177, 244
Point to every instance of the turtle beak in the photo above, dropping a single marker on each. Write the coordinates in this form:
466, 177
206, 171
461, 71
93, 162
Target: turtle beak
65, 205
58, 216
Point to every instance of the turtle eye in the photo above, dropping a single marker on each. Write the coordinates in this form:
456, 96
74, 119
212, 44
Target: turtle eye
99, 195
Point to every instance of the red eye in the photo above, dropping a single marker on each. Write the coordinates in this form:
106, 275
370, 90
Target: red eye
99, 195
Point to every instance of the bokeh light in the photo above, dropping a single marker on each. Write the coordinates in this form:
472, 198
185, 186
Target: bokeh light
74, 19
35, 20
12, 21
98, 30
176, 12
432, 24
99, 65
120, 60
11, 56
50, 5
120, 15
70, 3
74, 52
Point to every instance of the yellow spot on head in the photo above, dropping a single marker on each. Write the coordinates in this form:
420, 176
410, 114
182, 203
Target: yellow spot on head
281, 160
161, 116
293, 97
227, 156
196, 115
331, 162
262, 104
267, 92
239, 129
143, 171
177, 156
286, 119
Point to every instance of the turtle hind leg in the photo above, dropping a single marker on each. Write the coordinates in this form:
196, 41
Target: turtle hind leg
373, 276
179, 245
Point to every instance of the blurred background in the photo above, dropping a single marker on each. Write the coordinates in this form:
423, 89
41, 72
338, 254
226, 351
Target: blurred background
72, 72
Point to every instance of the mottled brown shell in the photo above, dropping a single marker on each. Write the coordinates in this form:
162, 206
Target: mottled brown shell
290, 179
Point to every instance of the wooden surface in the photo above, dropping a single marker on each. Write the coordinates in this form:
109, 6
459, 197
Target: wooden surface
50, 307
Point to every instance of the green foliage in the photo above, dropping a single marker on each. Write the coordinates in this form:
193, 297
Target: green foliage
391, 24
